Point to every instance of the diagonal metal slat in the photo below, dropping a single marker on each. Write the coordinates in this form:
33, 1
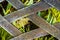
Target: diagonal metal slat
9, 27
28, 10
45, 26
57, 25
33, 34
53, 3
16, 3
6, 25
32, 31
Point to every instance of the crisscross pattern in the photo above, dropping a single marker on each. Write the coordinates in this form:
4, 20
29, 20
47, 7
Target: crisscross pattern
44, 27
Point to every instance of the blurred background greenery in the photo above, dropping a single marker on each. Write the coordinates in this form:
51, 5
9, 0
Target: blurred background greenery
51, 15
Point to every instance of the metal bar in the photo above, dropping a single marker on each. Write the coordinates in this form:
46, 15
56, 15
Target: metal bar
6, 25
53, 3
9, 27
18, 8
16, 15
57, 25
28, 10
45, 26
16, 3
31, 35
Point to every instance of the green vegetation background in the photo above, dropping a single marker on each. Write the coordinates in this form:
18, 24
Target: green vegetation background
51, 15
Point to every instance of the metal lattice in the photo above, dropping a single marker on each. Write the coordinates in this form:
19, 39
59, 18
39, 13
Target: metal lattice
30, 12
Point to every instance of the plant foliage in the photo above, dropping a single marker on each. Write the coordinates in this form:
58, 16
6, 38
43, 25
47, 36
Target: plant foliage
51, 15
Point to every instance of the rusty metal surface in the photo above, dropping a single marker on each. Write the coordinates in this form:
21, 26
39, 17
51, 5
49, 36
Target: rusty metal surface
27, 10
53, 3
9, 27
